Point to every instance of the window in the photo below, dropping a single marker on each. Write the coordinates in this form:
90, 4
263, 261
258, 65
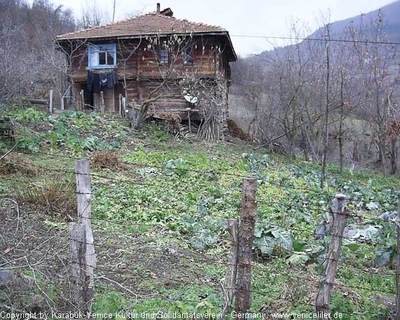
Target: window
188, 56
163, 56
102, 56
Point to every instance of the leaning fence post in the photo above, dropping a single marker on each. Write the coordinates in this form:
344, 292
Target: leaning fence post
397, 316
246, 233
83, 187
230, 279
340, 215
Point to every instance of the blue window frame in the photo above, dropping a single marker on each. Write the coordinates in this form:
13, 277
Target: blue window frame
102, 56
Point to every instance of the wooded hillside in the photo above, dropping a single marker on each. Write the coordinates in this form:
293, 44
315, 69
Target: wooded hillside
30, 65
332, 96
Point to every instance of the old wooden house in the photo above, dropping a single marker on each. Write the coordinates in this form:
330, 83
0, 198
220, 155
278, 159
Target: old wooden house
155, 62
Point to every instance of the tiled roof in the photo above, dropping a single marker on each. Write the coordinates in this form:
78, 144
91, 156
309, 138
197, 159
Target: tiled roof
147, 24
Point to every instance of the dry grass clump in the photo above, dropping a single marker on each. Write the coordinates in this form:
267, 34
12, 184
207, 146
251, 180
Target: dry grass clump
52, 194
15, 163
106, 159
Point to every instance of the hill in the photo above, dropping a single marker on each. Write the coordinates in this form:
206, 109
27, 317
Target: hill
389, 14
159, 209
335, 93
363, 23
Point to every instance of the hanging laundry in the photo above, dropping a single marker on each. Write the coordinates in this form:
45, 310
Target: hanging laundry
93, 81
112, 79
89, 80
97, 80
103, 78
96, 83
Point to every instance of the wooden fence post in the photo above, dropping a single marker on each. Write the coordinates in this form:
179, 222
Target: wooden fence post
83, 187
120, 104
51, 102
82, 100
77, 274
397, 316
340, 215
62, 103
246, 234
230, 279
124, 107
102, 106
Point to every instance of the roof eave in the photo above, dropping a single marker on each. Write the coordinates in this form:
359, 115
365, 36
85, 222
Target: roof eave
136, 36
232, 57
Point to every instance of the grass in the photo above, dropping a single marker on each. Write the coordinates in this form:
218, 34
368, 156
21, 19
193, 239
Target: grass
159, 208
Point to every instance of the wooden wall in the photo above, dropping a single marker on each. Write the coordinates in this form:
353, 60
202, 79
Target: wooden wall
141, 62
138, 68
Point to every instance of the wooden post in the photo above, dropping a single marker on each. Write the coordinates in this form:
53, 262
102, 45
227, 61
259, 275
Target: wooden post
124, 106
246, 233
397, 316
230, 279
77, 274
62, 103
340, 215
82, 94
101, 101
51, 102
120, 104
189, 122
83, 187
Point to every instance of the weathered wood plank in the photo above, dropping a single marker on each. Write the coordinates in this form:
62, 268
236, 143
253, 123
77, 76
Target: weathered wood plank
77, 276
246, 234
83, 188
340, 215
230, 278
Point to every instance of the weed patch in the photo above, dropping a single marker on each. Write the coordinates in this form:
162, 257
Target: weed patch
54, 195
17, 164
106, 159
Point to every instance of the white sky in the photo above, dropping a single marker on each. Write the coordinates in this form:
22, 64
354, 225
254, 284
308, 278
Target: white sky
244, 19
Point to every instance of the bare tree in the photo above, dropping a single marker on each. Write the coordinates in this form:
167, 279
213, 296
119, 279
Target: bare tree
378, 65
177, 77
93, 15
27, 33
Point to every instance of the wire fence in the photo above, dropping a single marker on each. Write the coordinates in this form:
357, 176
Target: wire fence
120, 254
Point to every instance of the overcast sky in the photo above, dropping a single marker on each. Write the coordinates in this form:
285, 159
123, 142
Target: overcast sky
248, 21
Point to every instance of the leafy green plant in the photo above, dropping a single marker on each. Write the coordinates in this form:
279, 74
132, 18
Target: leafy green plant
29, 115
269, 239
93, 143
27, 140
205, 230
256, 164
197, 300
109, 303
387, 250
177, 166
342, 305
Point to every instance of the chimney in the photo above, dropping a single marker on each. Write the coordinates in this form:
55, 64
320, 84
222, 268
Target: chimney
158, 8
